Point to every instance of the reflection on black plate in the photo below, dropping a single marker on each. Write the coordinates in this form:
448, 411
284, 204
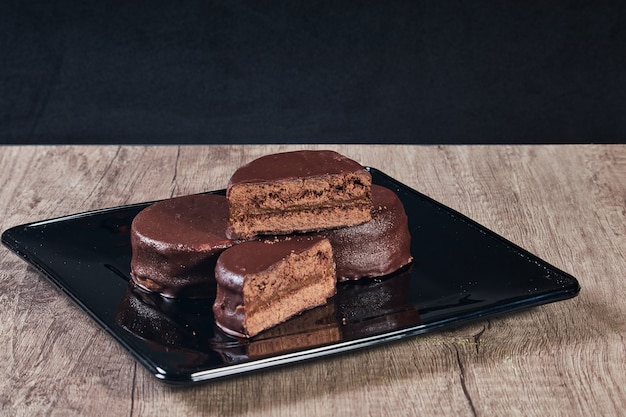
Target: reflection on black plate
462, 272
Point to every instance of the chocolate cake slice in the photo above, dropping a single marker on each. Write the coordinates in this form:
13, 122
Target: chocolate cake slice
263, 283
298, 191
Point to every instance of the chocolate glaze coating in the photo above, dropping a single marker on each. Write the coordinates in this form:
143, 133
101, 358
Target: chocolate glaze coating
378, 247
295, 164
175, 244
248, 258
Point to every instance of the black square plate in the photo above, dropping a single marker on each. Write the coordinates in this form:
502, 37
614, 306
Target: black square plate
462, 272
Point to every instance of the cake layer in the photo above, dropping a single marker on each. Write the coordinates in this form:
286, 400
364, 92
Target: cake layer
263, 283
301, 192
317, 219
298, 191
175, 244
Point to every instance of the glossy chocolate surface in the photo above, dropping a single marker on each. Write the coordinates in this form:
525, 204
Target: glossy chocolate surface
295, 164
175, 244
256, 256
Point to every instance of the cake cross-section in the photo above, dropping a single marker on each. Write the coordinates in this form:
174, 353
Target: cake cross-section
265, 282
299, 191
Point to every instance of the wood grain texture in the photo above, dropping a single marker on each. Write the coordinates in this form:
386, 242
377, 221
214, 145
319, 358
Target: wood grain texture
565, 203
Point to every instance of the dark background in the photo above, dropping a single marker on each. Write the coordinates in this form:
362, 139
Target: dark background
312, 72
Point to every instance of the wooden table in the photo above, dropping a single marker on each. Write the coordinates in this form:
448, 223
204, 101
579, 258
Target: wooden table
566, 204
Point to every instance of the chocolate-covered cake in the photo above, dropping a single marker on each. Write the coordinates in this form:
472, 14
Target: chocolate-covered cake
263, 283
378, 247
175, 244
318, 219
298, 192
